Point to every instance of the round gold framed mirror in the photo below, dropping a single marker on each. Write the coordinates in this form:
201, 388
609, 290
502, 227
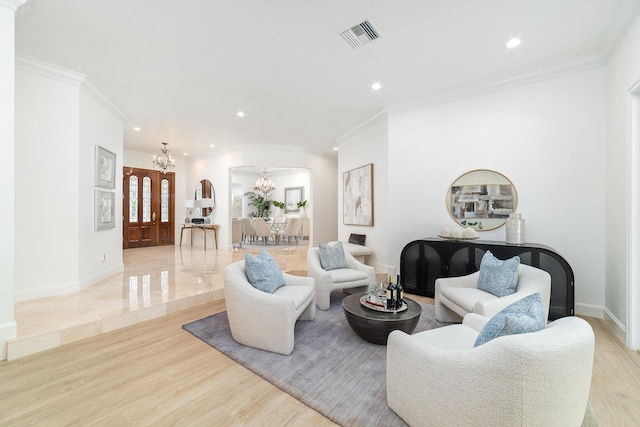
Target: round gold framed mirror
482, 199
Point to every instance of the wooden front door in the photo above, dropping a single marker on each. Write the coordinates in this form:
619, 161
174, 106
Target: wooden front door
148, 206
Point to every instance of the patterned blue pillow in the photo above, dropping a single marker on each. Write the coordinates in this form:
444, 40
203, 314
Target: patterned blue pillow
263, 272
523, 316
332, 257
497, 277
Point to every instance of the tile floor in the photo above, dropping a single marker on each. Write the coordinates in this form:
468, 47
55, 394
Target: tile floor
155, 281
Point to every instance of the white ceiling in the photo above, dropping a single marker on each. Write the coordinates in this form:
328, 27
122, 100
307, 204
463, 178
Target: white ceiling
180, 70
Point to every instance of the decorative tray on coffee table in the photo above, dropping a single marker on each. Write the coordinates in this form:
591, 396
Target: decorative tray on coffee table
380, 306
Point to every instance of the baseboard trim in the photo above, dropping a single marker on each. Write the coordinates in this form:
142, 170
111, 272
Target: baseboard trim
105, 274
48, 291
589, 310
616, 326
7, 331
66, 288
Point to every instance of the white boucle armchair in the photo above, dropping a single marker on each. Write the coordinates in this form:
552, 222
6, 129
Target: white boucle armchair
356, 274
262, 320
457, 296
437, 377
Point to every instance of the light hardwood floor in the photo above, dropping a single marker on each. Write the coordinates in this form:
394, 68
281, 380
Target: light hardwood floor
155, 373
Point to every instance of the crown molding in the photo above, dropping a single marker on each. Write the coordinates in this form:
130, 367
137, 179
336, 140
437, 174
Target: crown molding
45, 69
54, 72
270, 148
559, 69
622, 23
12, 4
379, 116
93, 91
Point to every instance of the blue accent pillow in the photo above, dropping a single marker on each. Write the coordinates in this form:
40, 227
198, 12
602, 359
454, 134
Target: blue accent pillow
497, 277
523, 316
263, 272
332, 257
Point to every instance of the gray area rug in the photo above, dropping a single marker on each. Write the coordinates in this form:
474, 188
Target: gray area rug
331, 369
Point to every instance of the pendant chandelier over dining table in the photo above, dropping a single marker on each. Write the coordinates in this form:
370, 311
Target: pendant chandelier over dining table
164, 161
264, 184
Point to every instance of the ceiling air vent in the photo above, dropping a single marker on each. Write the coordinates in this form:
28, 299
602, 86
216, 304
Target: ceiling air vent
360, 34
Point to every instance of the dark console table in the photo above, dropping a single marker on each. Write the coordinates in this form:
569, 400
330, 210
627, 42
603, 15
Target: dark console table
425, 260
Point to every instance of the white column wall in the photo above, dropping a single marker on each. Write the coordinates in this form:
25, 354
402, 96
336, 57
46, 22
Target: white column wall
546, 137
47, 160
623, 72
370, 144
58, 123
8, 328
98, 126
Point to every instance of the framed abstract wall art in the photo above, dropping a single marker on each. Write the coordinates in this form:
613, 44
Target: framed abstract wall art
357, 193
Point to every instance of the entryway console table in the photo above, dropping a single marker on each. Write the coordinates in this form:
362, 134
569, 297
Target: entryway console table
204, 227
423, 261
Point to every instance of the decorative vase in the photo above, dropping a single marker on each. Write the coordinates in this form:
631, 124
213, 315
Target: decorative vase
515, 230
277, 213
303, 212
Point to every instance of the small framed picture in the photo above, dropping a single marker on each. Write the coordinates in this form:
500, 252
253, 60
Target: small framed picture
105, 168
292, 196
105, 210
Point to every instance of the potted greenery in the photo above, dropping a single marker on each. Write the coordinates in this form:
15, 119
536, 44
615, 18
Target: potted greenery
261, 201
302, 206
279, 207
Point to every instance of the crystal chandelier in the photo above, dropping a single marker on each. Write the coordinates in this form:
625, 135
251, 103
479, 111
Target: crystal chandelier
264, 184
164, 161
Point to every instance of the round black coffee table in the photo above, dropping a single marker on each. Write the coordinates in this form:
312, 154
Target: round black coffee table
374, 326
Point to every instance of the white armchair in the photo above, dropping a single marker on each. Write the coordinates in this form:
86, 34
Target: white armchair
356, 274
457, 296
437, 377
262, 320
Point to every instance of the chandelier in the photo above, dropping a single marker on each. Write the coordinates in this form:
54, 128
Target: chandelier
264, 184
164, 161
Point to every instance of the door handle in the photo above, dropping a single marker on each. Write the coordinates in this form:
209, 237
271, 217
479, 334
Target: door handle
153, 217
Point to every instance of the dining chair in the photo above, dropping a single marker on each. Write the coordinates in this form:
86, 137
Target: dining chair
290, 230
248, 230
262, 230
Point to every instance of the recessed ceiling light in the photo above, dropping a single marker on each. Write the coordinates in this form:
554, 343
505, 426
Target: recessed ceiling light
240, 114
212, 145
335, 148
376, 86
137, 129
513, 43
185, 154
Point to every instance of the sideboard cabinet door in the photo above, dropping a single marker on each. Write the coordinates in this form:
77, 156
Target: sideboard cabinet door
421, 268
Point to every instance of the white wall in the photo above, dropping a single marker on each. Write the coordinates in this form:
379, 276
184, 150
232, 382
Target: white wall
47, 185
547, 137
98, 127
370, 144
58, 123
8, 328
623, 72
